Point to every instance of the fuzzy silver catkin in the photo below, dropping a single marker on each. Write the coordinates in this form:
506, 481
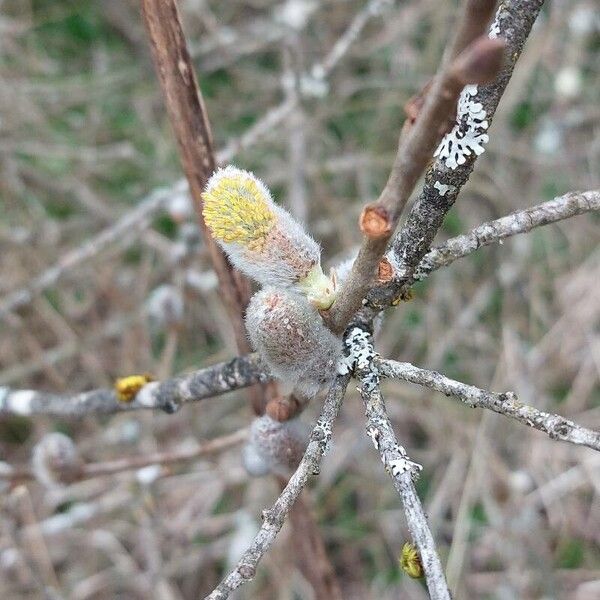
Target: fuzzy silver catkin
55, 460
274, 446
292, 339
262, 239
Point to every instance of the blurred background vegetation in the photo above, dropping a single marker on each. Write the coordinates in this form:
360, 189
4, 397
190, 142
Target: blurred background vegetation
84, 138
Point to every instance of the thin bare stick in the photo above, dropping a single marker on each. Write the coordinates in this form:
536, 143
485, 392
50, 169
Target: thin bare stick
507, 404
274, 517
129, 463
167, 395
492, 232
123, 233
397, 464
323, 68
478, 63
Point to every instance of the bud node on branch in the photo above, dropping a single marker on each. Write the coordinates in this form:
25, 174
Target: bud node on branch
375, 222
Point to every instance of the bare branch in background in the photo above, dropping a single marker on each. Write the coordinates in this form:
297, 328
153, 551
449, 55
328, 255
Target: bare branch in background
274, 517
555, 426
123, 233
224, 377
129, 463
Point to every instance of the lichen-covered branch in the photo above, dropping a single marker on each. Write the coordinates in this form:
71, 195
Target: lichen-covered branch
507, 404
478, 63
274, 517
400, 468
451, 170
167, 395
492, 232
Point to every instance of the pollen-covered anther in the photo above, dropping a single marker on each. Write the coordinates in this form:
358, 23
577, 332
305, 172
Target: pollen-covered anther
127, 387
375, 221
261, 238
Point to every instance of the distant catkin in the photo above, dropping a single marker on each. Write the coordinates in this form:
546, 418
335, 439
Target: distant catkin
274, 446
261, 238
55, 460
292, 339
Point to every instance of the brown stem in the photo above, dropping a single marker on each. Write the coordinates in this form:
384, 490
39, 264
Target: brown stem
189, 120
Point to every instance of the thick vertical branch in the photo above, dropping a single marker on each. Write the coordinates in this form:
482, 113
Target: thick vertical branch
189, 120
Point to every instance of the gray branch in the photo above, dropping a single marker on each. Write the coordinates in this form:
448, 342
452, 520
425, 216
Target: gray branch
491, 232
274, 517
507, 404
397, 463
167, 395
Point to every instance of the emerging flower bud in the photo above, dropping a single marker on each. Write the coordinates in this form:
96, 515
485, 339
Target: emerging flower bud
274, 446
55, 460
292, 339
261, 238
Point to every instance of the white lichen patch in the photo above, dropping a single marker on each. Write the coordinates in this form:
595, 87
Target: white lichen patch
495, 26
403, 464
19, 402
442, 188
374, 434
358, 352
469, 133
323, 434
145, 397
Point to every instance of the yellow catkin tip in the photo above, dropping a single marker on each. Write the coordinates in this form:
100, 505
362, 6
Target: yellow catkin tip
410, 561
237, 208
127, 387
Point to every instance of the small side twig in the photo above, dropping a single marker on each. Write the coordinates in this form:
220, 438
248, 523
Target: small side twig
555, 426
492, 232
167, 395
398, 465
274, 517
